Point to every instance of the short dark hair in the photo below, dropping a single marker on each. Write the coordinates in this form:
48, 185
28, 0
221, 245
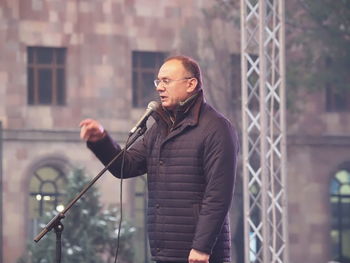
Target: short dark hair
190, 66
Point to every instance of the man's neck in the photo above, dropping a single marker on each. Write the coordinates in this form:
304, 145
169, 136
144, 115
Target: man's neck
182, 107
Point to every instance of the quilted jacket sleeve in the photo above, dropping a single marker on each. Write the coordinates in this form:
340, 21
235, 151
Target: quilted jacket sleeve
220, 156
135, 158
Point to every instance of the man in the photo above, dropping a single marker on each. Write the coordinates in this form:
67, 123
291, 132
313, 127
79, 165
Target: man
189, 155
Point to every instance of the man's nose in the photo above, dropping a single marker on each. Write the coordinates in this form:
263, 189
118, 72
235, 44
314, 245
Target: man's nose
160, 87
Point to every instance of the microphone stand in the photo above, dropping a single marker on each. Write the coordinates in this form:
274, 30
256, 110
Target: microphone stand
56, 223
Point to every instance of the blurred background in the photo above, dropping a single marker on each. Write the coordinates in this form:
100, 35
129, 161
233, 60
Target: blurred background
63, 61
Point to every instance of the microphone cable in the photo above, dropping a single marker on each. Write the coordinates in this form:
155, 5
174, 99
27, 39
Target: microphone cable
152, 106
121, 199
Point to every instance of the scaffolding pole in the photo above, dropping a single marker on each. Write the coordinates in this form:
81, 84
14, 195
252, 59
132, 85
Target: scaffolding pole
264, 131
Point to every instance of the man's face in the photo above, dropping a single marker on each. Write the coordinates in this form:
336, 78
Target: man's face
176, 84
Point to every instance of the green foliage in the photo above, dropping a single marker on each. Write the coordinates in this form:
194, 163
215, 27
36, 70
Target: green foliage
90, 233
226, 10
318, 44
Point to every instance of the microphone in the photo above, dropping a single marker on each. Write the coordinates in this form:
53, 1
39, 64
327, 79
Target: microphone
152, 106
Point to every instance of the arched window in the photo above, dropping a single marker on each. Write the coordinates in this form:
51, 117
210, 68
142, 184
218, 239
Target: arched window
45, 194
340, 217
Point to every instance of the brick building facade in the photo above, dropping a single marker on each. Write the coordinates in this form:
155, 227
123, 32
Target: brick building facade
108, 51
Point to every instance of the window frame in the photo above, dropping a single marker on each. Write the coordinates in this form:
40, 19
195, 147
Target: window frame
337, 100
57, 92
337, 230
37, 211
139, 92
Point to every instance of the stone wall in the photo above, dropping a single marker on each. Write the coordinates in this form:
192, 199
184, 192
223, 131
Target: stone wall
100, 37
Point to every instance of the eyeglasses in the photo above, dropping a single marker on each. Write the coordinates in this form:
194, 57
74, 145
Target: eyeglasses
166, 82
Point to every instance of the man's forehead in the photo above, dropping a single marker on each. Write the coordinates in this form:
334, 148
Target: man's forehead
171, 67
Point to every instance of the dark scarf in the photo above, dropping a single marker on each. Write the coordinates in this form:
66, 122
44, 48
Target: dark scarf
173, 118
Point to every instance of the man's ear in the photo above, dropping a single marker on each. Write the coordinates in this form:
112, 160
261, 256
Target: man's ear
192, 85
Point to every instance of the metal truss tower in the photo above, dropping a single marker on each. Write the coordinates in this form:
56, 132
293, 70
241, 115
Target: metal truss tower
264, 132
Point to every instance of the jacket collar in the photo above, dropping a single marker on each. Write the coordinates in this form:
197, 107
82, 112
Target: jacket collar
186, 112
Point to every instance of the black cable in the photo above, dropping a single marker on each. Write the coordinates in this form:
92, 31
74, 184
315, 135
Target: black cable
121, 200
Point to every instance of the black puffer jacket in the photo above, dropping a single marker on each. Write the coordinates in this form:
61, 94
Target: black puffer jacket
190, 170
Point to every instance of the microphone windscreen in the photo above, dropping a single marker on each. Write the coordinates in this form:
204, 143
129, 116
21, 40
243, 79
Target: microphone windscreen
153, 105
